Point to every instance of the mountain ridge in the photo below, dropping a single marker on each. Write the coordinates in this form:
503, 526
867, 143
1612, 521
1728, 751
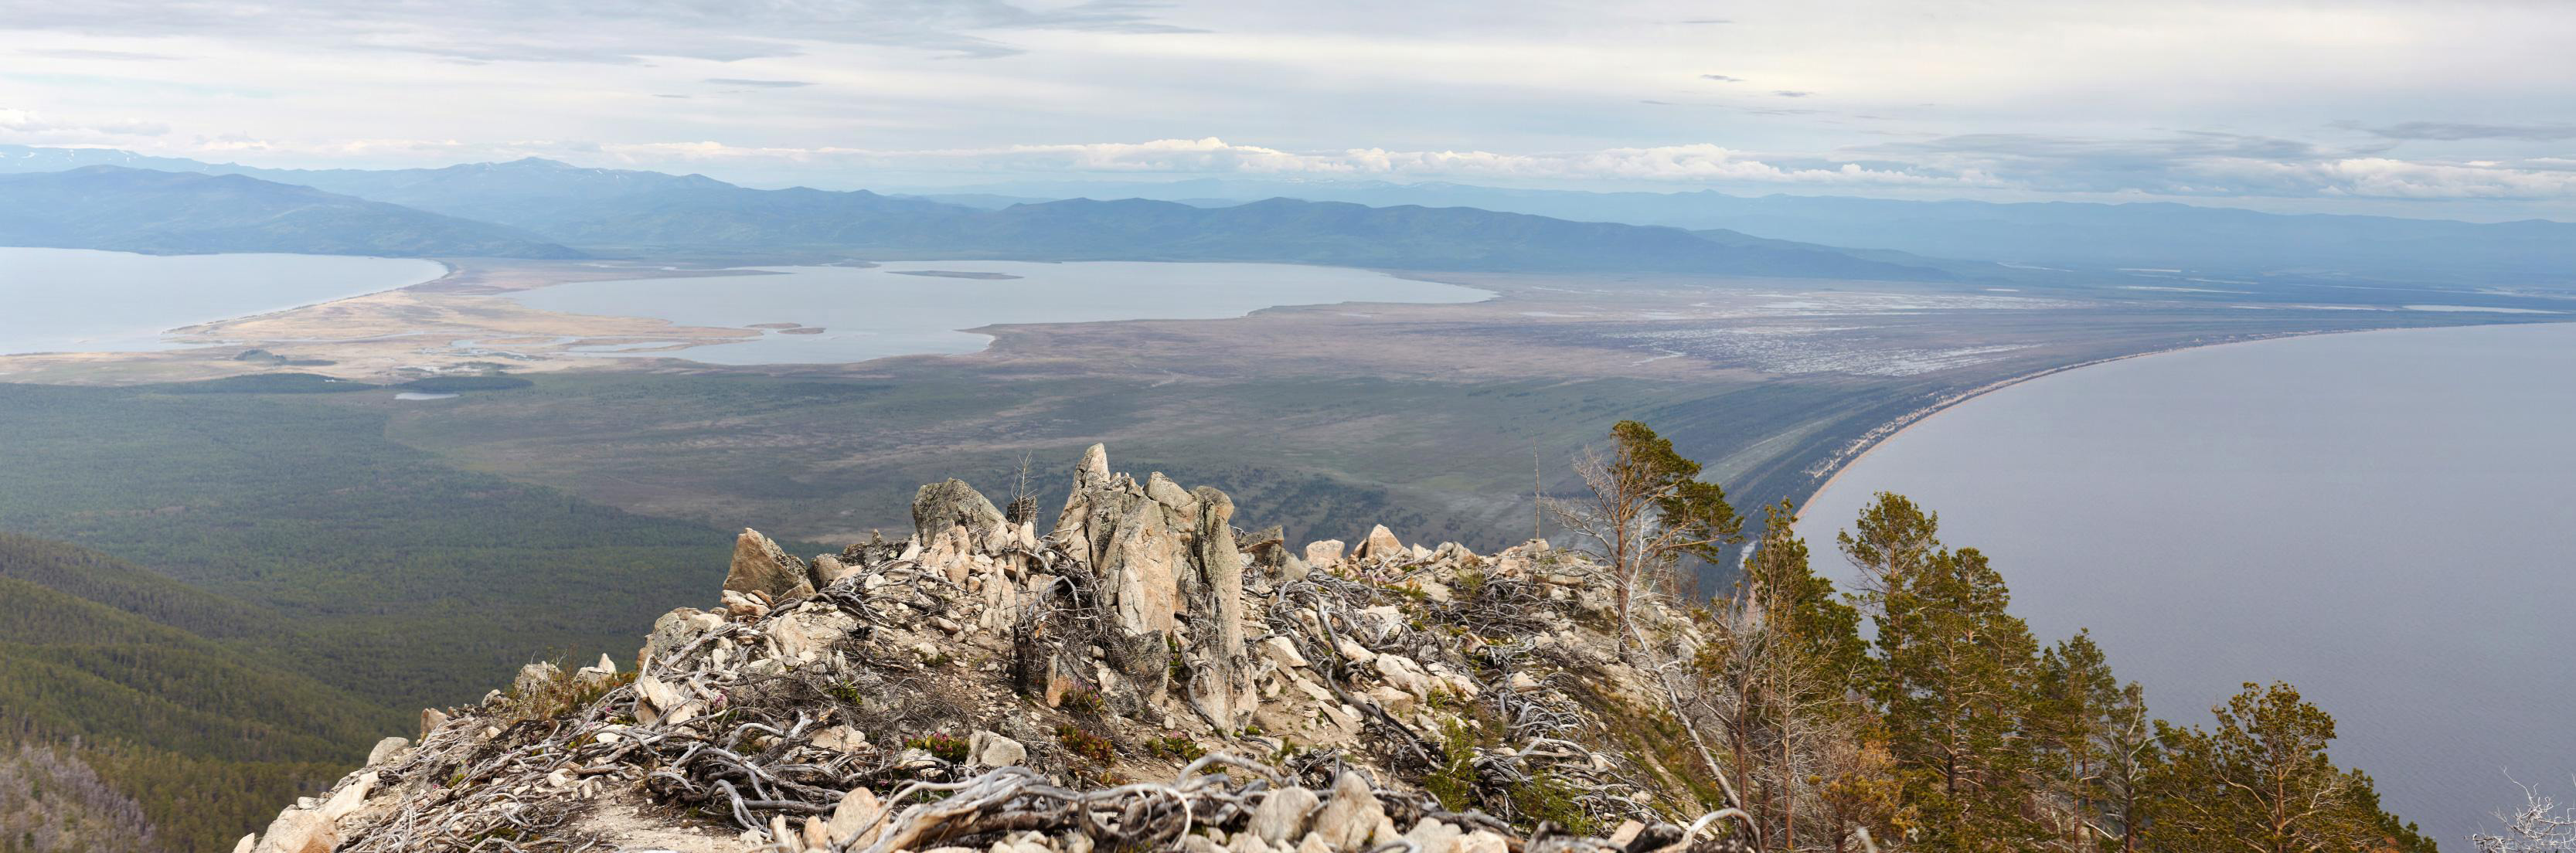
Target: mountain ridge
156, 212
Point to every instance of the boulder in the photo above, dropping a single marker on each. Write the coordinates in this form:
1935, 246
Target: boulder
430, 720
298, 831
1483, 841
385, 750
759, 565
825, 569
1381, 544
951, 503
1350, 815
851, 818
993, 750
1281, 817
535, 677
1431, 836
1283, 652
1324, 553
672, 632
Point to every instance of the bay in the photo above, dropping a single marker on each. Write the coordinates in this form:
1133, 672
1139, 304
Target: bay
80, 300
2383, 519
850, 314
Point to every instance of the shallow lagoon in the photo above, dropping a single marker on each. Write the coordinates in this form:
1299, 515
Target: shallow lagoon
2379, 518
895, 309
77, 300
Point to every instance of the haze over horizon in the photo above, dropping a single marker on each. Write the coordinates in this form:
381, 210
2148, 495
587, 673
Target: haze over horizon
2456, 110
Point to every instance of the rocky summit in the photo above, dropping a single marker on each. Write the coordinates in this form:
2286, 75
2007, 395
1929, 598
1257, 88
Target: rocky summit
1142, 676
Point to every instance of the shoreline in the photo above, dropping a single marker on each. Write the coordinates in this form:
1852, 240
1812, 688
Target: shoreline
1832, 468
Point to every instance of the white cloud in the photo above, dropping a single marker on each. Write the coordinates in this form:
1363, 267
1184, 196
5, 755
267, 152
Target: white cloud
27, 124
1700, 163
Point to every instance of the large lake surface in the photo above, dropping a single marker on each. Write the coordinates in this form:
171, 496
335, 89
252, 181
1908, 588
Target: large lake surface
2386, 520
924, 307
77, 300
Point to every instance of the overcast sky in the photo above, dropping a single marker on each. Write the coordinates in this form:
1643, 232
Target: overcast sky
2461, 108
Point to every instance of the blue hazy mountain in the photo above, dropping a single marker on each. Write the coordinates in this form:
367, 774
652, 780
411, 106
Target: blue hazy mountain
2076, 235
614, 211
142, 210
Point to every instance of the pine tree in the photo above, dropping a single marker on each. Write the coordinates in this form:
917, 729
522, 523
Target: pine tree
1956, 688
2260, 782
2096, 741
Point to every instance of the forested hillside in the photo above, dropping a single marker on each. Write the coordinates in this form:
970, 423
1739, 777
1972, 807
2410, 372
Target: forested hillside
364, 564
123, 729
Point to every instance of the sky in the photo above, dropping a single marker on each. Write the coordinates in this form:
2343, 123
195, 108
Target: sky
2449, 108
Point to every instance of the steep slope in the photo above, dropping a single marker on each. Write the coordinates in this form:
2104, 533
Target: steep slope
137, 210
145, 730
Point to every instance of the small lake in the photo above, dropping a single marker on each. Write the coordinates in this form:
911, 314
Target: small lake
2382, 519
817, 315
77, 300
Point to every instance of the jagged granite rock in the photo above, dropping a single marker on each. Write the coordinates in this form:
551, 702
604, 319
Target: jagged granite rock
759, 565
1143, 626
1381, 544
1221, 687
951, 503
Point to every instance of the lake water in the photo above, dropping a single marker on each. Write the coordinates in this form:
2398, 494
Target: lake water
895, 309
77, 300
2383, 519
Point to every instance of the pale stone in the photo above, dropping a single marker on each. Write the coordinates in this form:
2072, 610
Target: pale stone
1219, 603
1433, 836
1247, 842
1381, 544
1384, 834
534, 677
1483, 841
1358, 654
298, 831
348, 799
246, 842
951, 503
1324, 553
1350, 815
1313, 843
851, 817
1395, 701
825, 570
430, 720
1626, 832
1282, 651
1282, 815
759, 565
842, 738
385, 750
993, 750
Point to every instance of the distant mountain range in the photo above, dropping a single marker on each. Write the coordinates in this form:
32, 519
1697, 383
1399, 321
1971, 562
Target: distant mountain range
138, 210
2084, 236
537, 208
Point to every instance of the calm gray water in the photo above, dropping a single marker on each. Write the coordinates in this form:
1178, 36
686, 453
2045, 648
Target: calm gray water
889, 310
77, 300
2382, 519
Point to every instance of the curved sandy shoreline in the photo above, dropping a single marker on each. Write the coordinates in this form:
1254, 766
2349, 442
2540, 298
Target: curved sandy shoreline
1832, 469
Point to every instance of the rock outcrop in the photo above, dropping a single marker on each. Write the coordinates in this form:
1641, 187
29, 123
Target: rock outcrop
979, 688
